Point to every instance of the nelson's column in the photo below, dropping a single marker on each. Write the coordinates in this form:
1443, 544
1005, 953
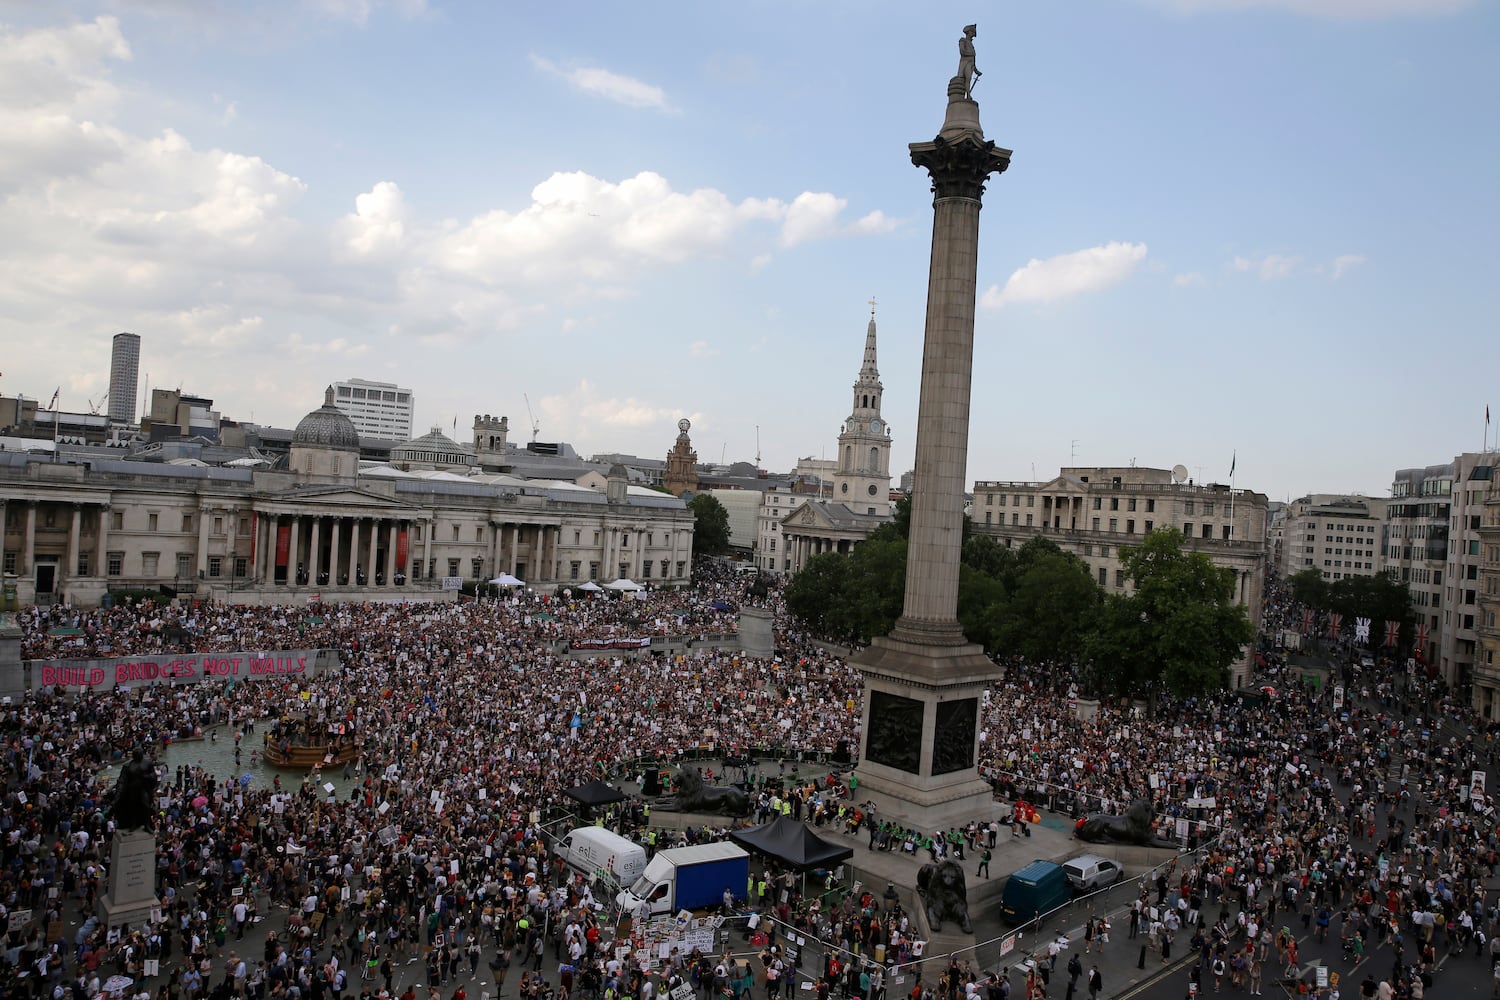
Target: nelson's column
925, 681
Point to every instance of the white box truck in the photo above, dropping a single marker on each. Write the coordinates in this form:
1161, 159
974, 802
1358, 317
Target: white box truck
688, 878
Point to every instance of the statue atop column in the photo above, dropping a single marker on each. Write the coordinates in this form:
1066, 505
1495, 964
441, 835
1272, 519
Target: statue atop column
968, 74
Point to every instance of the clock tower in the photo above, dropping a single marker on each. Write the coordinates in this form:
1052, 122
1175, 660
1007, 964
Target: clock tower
862, 478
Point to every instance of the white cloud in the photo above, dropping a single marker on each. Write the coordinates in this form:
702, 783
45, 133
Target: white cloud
701, 349
1342, 10
378, 223
1270, 267
1190, 279
1069, 274
611, 86
1344, 263
592, 420
812, 214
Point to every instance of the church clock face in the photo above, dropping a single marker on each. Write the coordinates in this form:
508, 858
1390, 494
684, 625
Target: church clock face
872, 489
875, 426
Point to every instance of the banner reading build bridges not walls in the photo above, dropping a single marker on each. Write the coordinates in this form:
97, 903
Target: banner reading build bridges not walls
193, 668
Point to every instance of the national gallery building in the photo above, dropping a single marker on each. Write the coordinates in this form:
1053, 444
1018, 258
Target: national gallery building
322, 528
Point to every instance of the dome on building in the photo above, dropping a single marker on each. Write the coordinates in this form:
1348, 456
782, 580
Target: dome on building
326, 427
434, 450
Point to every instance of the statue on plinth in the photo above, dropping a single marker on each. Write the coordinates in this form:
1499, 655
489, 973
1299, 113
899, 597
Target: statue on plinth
134, 805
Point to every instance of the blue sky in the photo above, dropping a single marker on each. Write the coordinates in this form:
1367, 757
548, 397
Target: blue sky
1252, 227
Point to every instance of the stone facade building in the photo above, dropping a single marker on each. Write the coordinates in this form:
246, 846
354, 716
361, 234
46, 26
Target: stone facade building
1487, 623
1341, 536
252, 535
1092, 512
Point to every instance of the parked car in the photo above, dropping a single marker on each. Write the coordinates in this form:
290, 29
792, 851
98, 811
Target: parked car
1088, 872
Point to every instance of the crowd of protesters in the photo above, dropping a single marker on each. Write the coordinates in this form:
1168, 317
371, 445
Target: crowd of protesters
1357, 820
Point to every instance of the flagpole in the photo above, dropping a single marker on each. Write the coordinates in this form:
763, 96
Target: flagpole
1233, 463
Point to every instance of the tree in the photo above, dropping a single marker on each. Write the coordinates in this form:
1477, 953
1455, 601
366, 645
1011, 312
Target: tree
1378, 598
1052, 606
816, 594
1177, 631
710, 525
1308, 587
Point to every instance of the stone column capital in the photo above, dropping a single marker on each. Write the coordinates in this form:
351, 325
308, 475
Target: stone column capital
959, 166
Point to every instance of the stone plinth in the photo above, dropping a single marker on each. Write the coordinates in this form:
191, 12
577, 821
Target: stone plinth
757, 632
131, 895
921, 732
12, 677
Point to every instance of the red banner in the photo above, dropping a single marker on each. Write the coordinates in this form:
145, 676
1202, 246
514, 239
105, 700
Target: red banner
401, 550
1392, 632
283, 544
1334, 621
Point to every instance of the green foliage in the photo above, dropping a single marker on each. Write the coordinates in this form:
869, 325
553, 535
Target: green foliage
1378, 598
710, 525
858, 594
1178, 631
1308, 587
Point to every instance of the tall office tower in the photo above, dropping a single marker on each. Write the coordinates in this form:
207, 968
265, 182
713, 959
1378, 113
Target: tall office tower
124, 377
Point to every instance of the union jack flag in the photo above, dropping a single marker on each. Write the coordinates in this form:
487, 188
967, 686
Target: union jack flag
1421, 635
1307, 620
1392, 632
1334, 621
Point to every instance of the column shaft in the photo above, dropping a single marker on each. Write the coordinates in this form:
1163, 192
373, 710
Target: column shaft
75, 531
294, 556
28, 544
315, 551
943, 418
390, 555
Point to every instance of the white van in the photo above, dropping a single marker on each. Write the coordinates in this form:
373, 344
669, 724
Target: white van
589, 849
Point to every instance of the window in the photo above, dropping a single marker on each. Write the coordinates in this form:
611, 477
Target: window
1028, 520
773, 545
1150, 507
416, 570
479, 533
114, 562
1226, 533
1114, 524
664, 565
218, 525
455, 537
241, 567
1130, 526
187, 522
1130, 504
987, 515
1187, 507
184, 565
150, 522
1088, 550
452, 567
150, 563
1015, 519
1119, 578
1098, 503
215, 566
1103, 577
1208, 531
1208, 507
1031, 499
83, 566
681, 563
646, 570
593, 570
117, 521
478, 566
1150, 525
1096, 524
244, 526
1187, 529
1114, 503
573, 568
576, 536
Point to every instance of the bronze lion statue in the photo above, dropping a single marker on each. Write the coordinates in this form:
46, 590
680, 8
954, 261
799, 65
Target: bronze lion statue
946, 893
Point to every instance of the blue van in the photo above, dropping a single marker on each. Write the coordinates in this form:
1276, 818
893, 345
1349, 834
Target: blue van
1040, 887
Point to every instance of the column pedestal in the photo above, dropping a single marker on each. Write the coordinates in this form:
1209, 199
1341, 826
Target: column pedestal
131, 895
757, 632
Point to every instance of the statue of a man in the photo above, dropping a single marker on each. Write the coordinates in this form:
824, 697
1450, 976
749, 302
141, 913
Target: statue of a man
967, 71
135, 794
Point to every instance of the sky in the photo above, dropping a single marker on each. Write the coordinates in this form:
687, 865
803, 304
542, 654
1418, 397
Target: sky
1248, 233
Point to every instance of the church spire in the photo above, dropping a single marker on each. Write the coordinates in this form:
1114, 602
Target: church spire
868, 371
